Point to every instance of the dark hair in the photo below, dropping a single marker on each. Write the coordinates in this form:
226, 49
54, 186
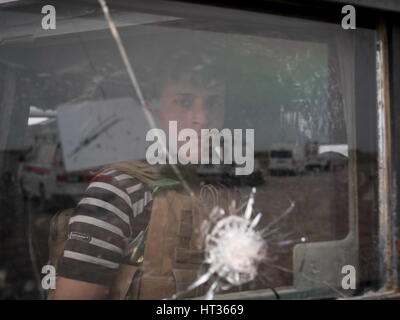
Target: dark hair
201, 69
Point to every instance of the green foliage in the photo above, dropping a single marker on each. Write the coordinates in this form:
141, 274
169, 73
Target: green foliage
163, 183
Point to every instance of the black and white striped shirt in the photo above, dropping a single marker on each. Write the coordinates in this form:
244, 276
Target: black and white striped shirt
114, 210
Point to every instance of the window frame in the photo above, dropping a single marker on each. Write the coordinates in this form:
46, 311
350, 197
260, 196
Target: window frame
382, 18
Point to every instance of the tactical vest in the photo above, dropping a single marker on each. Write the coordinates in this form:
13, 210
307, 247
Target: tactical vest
173, 251
173, 255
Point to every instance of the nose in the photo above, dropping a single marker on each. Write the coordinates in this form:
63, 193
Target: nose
199, 116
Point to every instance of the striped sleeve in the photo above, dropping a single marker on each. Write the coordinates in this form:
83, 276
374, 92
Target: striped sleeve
101, 227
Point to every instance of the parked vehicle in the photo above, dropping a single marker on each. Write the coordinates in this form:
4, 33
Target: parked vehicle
42, 173
314, 161
335, 155
285, 159
225, 174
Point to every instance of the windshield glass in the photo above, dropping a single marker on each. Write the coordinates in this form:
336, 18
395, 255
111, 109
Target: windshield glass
157, 125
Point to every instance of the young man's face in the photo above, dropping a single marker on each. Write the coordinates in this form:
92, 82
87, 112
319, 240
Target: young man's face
191, 107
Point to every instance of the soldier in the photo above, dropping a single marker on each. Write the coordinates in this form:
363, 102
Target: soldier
100, 259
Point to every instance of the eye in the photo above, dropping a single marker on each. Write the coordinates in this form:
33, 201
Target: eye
184, 102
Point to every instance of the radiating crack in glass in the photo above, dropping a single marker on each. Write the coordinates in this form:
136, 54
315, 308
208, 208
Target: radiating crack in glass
135, 84
233, 247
